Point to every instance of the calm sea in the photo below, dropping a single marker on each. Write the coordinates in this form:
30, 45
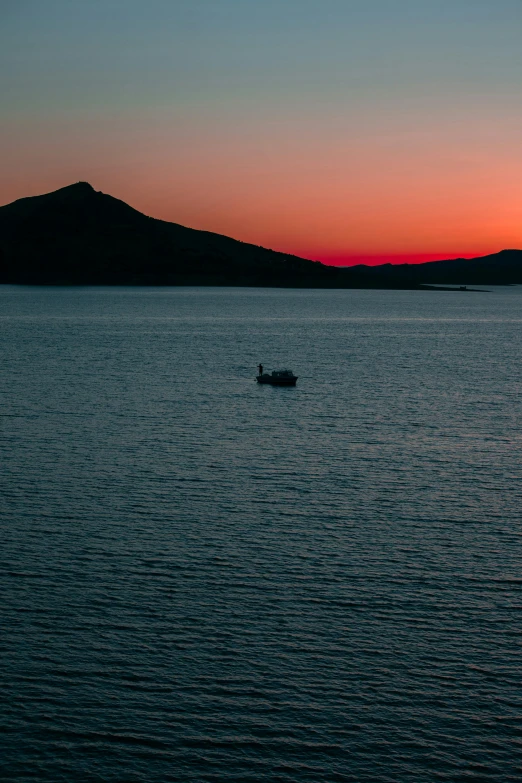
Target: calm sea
204, 579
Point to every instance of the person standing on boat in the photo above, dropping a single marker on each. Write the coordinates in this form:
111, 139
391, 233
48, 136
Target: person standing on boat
260, 366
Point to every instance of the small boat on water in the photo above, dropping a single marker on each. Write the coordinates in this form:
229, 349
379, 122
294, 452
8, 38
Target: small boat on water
278, 378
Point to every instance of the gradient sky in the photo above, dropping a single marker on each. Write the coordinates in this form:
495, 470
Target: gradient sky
341, 130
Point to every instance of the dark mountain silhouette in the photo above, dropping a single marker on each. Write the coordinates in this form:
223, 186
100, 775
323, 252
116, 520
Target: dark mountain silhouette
504, 268
77, 235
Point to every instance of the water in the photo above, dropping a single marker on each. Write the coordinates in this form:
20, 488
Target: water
209, 580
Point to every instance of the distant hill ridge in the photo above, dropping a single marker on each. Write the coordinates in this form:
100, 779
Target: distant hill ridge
77, 235
503, 268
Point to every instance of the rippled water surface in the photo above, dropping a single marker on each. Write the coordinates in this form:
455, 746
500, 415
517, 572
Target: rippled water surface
204, 579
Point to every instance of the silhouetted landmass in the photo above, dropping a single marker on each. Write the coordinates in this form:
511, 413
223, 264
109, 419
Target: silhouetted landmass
504, 268
79, 236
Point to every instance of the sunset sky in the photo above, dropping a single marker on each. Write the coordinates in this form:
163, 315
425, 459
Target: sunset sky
339, 130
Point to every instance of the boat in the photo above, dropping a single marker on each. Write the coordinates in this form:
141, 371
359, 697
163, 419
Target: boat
278, 378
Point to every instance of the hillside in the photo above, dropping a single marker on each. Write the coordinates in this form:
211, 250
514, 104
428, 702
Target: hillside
504, 268
77, 235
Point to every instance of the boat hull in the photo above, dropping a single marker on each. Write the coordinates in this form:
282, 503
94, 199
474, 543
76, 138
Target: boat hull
277, 381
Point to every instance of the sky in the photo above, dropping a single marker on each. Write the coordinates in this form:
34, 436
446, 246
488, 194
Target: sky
340, 130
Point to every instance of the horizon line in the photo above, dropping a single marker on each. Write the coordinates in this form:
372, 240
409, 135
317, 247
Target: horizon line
377, 259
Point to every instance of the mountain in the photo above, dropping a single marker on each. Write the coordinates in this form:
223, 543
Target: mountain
504, 268
77, 235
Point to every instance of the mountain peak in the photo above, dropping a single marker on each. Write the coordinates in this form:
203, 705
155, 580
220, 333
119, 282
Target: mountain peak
81, 186
76, 189
79, 235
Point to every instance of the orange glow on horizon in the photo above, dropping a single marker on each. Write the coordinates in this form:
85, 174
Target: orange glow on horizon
341, 195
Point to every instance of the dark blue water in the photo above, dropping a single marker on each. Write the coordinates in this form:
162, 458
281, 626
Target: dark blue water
204, 579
